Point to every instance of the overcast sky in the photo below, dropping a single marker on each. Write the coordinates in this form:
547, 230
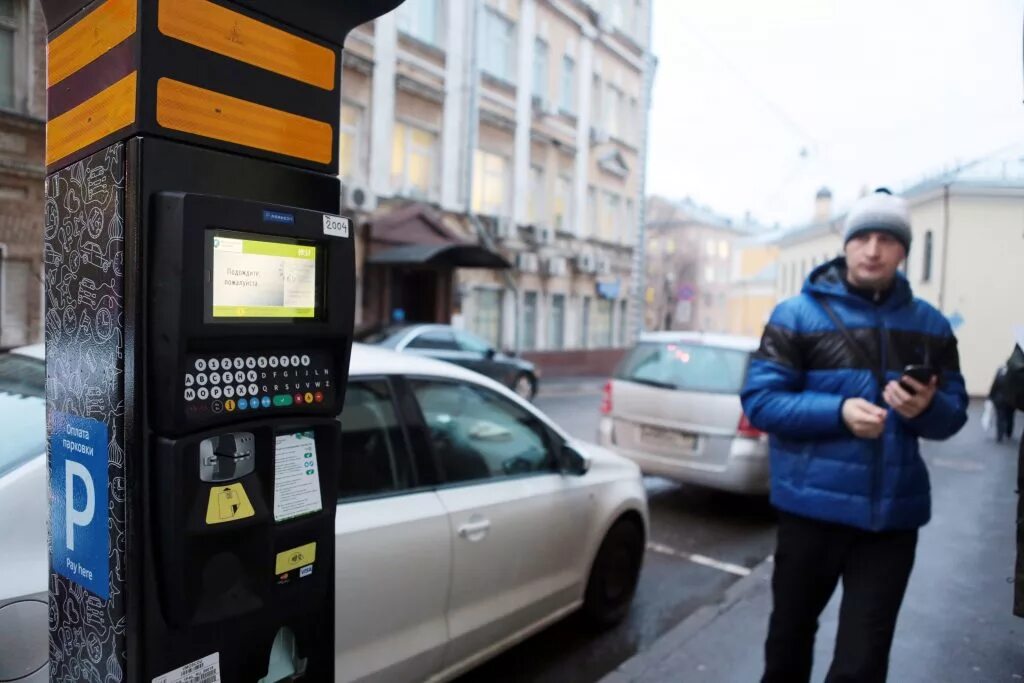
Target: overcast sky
759, 103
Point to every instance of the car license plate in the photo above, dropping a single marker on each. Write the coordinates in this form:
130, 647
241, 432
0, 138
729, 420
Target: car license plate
671, 438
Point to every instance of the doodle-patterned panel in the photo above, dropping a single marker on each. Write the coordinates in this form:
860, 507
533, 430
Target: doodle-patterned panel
84, 254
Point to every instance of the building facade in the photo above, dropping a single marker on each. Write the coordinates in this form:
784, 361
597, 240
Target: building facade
690, 255
965, 258
22, 140
479, 134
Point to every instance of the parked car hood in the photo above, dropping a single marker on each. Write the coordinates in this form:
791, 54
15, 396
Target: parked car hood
24, 564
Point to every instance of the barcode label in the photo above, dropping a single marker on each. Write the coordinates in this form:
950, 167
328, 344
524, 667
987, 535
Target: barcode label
205, 670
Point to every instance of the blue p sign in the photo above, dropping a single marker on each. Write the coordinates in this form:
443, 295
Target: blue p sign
78, 490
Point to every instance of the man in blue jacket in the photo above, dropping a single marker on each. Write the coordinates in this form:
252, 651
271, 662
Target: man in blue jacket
828, 385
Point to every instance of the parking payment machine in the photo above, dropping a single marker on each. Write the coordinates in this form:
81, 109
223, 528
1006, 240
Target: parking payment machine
199, 311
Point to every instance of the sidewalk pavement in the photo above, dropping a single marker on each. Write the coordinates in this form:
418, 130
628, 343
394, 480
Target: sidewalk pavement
551, 387
955, 625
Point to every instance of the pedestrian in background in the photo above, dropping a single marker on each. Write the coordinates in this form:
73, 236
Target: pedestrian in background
828, 385
1014, 392
1004, 410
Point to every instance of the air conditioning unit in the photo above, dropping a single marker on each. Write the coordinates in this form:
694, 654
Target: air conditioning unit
585, 263
527, 262
357, 197
598, 136
545, 236
555, 266
504, 228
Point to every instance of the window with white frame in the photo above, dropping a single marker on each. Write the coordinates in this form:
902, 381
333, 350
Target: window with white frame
538, 194
529, 339
486, 320
709, 273
556, 323
612, 107
601, 333
497, 49
628, 222
562, 216
413, 151
421, 19
608, 216
633, 122
568, 95
590, 224
490, 183
595, 99
540, 70
349, 141
709, 247
10, 52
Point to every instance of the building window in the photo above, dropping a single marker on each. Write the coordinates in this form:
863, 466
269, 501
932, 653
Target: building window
556, 323
602, 328
540, 69
608, 216
595, 99
723, 249
421, 19
623, 322
709, 273
633, 125
591, 223
628, 222
562, 218
709, 247
537, 195
926, 264
568, 100
349, 138
412, 160
490, 180
613, 110
585, 323
653, 245
497, 49
486, 320
529, 339
670, 246
9, 48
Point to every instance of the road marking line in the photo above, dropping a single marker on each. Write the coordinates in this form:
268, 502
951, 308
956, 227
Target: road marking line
703, 560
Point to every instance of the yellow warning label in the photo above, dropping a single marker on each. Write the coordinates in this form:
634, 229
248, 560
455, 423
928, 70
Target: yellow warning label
295, 558
228, 504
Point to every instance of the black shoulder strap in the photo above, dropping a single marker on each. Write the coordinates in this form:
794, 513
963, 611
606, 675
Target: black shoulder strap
850, 340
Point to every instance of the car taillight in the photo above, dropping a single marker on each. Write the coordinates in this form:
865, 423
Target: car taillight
606, 398
748, 430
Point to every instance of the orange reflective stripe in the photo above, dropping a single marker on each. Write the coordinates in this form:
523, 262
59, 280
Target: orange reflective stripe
92, 36
106, 112
190, 109
218, 29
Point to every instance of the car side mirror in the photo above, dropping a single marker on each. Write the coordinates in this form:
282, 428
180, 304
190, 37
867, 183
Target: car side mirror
489, 354
573, 462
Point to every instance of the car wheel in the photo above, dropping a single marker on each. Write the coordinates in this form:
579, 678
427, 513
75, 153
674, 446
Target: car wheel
614, 576
525, 386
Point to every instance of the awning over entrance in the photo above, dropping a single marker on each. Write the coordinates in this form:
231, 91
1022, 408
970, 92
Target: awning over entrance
445, 255
416, 235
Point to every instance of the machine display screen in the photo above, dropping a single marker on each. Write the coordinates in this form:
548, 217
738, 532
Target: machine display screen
255, 277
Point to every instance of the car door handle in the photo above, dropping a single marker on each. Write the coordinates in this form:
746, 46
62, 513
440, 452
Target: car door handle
475, 530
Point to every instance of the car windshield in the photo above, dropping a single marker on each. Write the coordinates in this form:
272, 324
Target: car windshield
22, 409
689, 367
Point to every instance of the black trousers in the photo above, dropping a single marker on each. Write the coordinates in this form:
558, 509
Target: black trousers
1004, 422
810, 558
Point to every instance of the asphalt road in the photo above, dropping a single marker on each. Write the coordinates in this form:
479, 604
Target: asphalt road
701, 542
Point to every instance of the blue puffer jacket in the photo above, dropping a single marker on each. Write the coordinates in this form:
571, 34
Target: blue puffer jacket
804, 371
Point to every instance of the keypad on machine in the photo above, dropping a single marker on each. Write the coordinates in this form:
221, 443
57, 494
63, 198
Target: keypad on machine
219, 384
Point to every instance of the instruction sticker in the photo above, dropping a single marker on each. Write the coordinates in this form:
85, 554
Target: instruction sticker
228, 504
335, 226
296, 476
295, 558
205, 670
79, 534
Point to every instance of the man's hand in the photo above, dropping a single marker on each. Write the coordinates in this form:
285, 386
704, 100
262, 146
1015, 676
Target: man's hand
864, 418
906, 404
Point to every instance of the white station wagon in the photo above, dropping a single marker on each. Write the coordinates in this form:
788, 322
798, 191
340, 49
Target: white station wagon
466, 522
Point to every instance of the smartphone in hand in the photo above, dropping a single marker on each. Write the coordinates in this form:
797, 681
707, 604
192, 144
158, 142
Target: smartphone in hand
920, 373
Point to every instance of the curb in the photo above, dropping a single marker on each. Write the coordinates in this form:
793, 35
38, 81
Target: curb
675, 638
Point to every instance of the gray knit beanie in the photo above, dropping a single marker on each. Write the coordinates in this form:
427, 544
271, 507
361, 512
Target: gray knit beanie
880, 211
